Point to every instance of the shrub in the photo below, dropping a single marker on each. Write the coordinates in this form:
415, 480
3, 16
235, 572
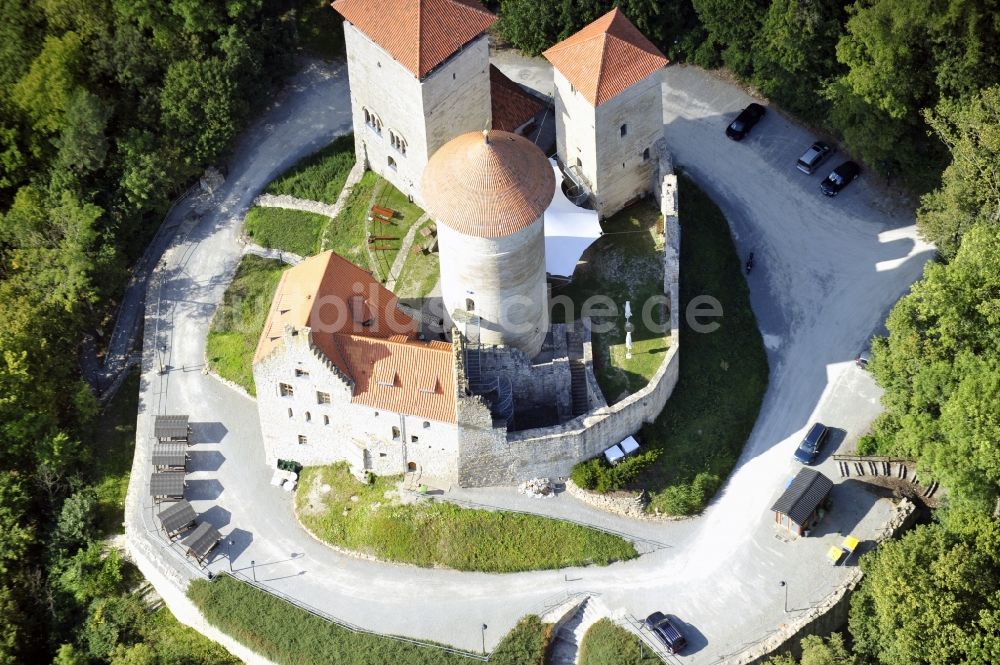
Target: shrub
688, 498
868, 445
597, 475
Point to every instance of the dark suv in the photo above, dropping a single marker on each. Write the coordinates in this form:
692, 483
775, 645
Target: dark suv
839, 178
810, 446
745, 121
660, 625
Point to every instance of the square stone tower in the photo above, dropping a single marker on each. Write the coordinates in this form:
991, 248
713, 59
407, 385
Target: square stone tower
419, 76
609, 109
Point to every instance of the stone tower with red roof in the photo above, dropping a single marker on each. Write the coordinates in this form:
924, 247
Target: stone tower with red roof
609, 109
419, 76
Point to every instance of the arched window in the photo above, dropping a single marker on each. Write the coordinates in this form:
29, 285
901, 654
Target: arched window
397, 142
308, 417
395, 434
392, 163
372, 120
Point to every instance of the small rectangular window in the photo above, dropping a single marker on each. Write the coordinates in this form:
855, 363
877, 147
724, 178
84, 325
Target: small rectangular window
326, 420
414, 439
645, 155
395, 434
322, 398
623, 130
301, 372
302, 440
286, 390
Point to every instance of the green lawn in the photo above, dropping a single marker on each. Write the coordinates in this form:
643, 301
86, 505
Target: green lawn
624, 264
110, 455
288, 635
406, 215
238, 322
440, 534
723, 374
606, 643
292, 231
420, 272
321, 176
346, 233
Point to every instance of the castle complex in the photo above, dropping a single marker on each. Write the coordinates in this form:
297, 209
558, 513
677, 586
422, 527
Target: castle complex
343, 374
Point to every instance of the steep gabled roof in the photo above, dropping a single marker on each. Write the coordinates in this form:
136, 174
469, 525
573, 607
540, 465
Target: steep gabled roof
606, 57
419, 34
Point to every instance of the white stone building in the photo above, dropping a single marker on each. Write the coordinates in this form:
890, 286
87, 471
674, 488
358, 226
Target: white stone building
341, 375
419, 74
609, 110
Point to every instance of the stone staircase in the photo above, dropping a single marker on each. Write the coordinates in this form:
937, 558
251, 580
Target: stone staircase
577, 372
566, 644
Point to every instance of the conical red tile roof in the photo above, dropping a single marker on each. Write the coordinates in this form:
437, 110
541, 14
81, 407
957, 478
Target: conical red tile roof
606, 57
488, 185
420, 34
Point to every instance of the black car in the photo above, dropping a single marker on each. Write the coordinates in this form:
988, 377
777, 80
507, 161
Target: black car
745, 121
660, 625
809, 448
839, 178
813, 157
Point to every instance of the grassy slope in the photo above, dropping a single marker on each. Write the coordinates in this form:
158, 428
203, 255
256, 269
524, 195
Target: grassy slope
321, 176
608, 644
420, 272
292, 231
287, 635
407, 215
723, 374
238, 322
624, 264
346, 233
439, 534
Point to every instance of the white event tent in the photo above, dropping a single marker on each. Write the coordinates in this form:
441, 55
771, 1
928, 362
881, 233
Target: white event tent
569, 231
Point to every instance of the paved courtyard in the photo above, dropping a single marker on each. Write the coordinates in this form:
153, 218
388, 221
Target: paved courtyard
827, 271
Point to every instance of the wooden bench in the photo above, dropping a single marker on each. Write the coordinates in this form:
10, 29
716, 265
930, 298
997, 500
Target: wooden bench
383, 213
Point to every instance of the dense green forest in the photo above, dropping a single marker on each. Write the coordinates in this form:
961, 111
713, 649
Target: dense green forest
111, 108
108, 110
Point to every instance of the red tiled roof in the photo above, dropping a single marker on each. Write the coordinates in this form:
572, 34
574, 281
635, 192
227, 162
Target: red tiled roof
606, 57
488, 187
355, 323
401, 375
512, 106
419, 34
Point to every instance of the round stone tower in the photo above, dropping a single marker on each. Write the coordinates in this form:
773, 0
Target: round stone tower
488, 192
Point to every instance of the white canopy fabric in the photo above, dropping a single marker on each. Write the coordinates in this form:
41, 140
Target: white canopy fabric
569, 231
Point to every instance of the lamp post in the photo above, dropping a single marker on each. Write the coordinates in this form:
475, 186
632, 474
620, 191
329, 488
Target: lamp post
229, 553
785, 587
484, 637
253, 569
628, 330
